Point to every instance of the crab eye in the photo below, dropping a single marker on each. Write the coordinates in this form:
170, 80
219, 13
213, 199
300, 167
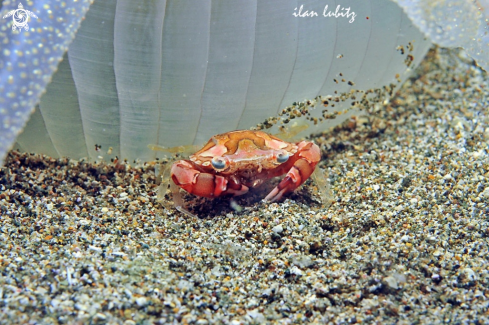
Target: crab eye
218, 163
282, 157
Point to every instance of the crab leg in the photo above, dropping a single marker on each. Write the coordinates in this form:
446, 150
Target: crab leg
308, 155
178, 200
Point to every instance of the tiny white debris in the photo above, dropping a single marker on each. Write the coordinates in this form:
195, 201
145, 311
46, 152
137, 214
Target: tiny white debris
24, 301
295, 270
257, 316
391, 282
185, 285
49, 207
470, 274
448, 176
252, 302
310, 300
278, 229
78, 254
486, 192
216, 271
95, 248
141, 301
100, 317
302, 261
401, 278
480, 153
432, 238
81, 307
438, 252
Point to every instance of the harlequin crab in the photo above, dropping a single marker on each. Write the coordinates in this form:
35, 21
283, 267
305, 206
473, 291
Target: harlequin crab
231, 163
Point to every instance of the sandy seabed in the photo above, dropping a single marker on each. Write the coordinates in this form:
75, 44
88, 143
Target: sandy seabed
405, 240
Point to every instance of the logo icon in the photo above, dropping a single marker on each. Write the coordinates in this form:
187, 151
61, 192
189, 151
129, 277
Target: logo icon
20, 17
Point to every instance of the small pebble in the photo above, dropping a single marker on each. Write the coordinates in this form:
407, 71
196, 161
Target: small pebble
278, 229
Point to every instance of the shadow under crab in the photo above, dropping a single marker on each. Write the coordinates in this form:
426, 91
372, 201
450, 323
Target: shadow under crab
309, 195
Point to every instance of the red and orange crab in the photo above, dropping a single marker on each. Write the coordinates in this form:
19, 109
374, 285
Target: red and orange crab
231, 163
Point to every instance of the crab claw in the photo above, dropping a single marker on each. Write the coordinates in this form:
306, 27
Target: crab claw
185, 175
308, 156
195, 182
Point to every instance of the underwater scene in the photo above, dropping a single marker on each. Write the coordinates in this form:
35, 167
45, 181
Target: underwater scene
230, 162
